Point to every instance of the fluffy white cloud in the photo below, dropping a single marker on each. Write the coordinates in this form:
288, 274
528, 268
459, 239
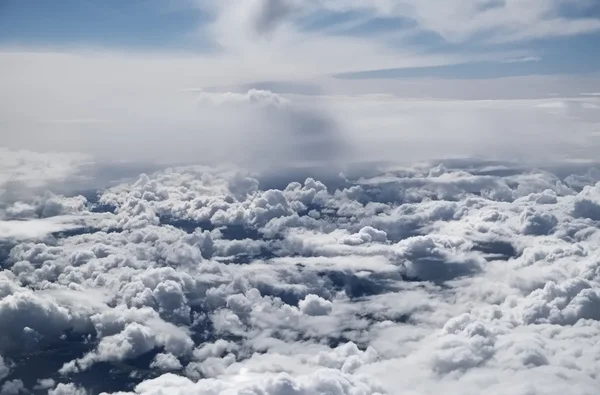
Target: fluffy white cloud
315, 305
323, 381
133, 341
67, 389
27, 318
417, 279
166, 362
45, 384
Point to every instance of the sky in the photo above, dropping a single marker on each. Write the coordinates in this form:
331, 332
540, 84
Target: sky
460, 39
298, 197
473, 39
80, 75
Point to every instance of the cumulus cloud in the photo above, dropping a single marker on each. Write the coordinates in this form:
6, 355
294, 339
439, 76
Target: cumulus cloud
25, 175
45, 384
461, 277
12, 387
29, 320
134, 340
166, 362
323, 381
66, 389
315, 305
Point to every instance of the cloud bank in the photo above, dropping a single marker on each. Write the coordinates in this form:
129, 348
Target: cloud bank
464, 277
125, 117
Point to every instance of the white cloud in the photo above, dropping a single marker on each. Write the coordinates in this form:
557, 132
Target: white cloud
12, 387
45, 384
35, 228
166, 362
29, 320
151, 120
67, 389
315, 305
324, 381
464, 88
461, 20
272, 35
133, 341
25, 174
427, 278
494, 129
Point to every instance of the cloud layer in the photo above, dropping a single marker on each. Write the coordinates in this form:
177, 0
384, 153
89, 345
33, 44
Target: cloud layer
268, 214
123, 116
464, 277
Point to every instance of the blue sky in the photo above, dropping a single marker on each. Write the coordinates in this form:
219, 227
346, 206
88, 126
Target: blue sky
557, 38
132, 24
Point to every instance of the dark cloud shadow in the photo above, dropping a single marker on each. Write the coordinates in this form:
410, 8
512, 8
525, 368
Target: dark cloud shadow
439, 270
497, 250
355, 286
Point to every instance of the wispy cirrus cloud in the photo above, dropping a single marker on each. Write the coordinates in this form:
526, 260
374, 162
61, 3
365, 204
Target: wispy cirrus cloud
455, 20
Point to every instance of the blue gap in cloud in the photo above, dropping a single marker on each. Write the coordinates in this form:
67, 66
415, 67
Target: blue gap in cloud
580, 10
29, 366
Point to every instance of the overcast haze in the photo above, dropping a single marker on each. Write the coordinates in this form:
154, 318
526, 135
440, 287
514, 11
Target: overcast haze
284, 197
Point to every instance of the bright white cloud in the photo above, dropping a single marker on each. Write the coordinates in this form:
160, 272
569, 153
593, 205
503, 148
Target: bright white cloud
35, 228
315, 305
415, 279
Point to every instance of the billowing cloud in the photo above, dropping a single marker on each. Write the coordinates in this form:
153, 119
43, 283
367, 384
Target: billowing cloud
463, 277
66, 389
